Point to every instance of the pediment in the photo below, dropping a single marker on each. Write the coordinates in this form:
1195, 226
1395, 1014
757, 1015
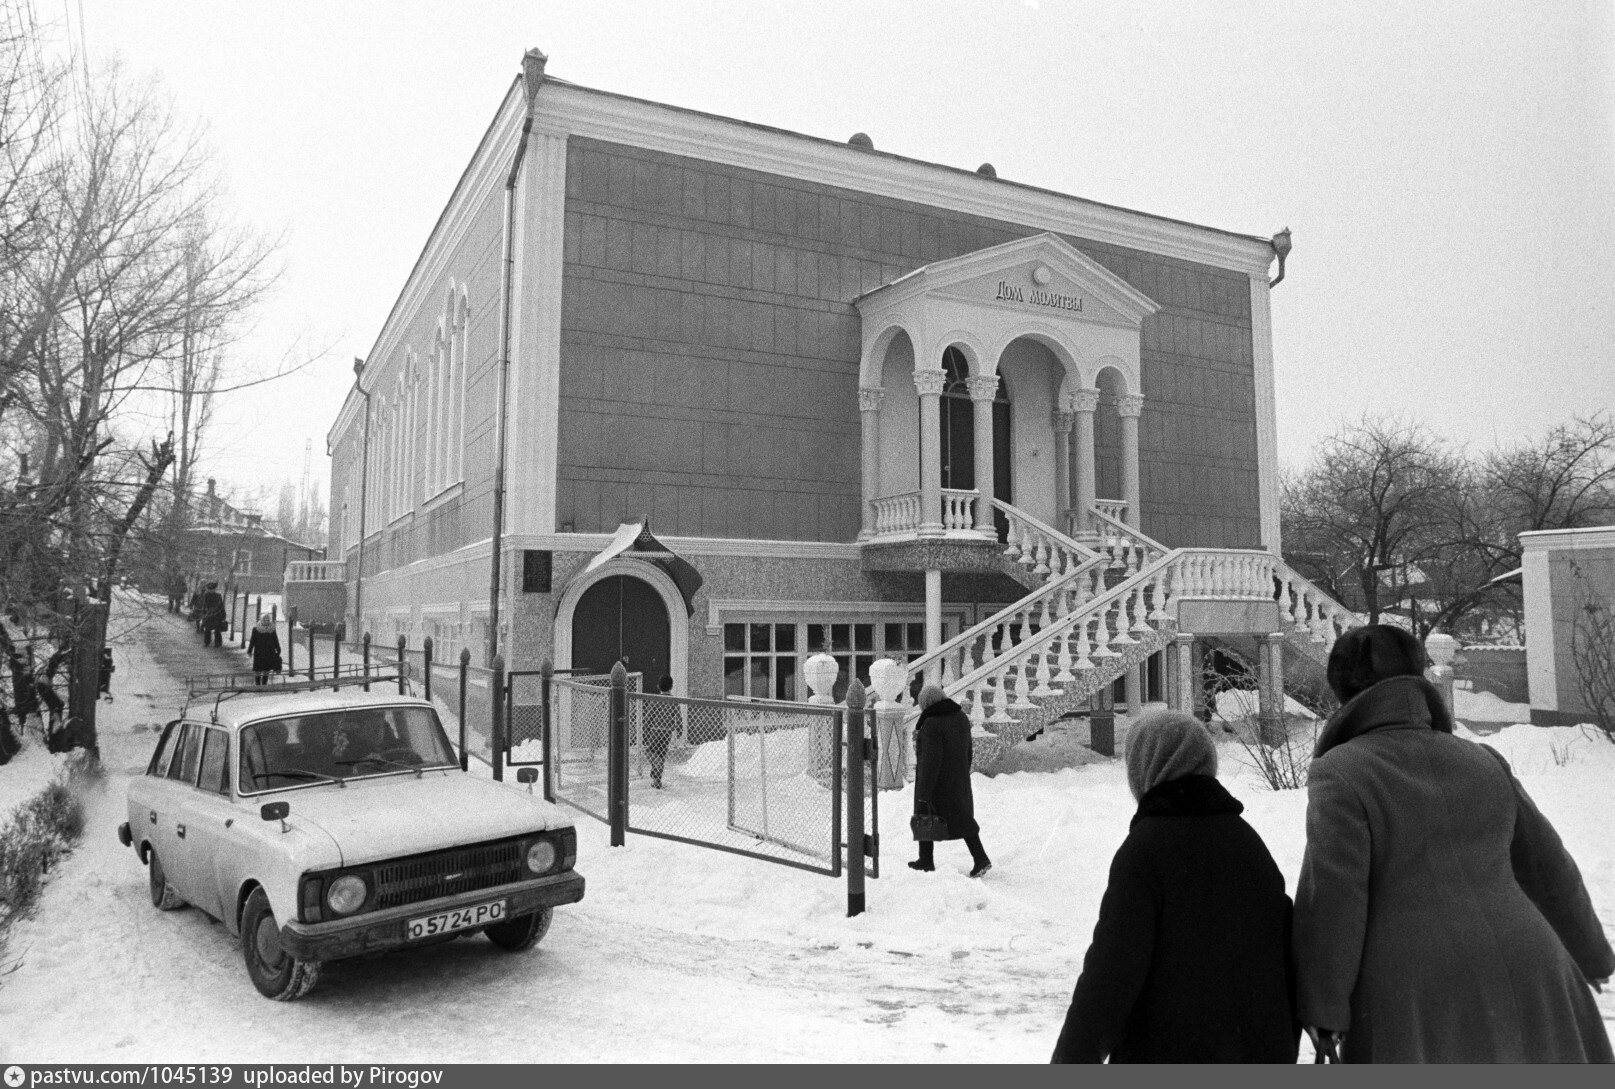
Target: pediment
1042, 276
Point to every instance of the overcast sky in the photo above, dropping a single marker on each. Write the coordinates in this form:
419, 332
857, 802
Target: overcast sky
1447, 168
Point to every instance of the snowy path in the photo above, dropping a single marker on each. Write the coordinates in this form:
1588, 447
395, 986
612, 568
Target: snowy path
676, 953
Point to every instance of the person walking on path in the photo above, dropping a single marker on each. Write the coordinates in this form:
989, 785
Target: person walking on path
1189, 961
1438, 917
264, 646
661, 722
213, 619
942, 752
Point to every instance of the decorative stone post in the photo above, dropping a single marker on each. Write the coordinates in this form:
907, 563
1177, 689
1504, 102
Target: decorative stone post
820, 672
887, 680
1083, 403
933, 623
869, 399
1061, 422
1441, 649
1188, 683
1270, 688
1129, 406
983, 389
929, 384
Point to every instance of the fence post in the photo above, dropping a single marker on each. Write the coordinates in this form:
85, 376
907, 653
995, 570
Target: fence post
617, 756
311, 654
497, 695
339, 634
426, 666
403, 664
291, 643
364, 657
259, 614
465, 670
855, 798
546, 673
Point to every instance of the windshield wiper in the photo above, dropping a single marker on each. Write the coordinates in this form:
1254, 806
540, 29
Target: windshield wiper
291, 773
416, 768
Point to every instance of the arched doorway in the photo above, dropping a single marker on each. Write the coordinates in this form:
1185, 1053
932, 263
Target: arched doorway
958, 418
622, 617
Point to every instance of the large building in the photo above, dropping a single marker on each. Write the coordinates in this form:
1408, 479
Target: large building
830, 378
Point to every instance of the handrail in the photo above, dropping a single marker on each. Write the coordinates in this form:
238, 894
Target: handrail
1128, 531
1283, 572
1071, 543
980, 628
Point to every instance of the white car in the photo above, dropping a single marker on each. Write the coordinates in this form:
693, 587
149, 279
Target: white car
324, 824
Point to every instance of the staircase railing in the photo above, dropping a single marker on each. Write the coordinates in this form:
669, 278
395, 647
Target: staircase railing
1121, 541
1305, 607
1040, 546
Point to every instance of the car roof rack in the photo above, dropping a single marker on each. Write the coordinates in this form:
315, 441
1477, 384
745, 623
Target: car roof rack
224, 685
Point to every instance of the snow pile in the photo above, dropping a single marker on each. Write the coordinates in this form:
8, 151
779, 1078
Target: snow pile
1234, 704
779, 753
27, 773
1487, 707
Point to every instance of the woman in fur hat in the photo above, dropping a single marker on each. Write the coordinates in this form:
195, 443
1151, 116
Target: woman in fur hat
1438, 917
1190, 958
942, 751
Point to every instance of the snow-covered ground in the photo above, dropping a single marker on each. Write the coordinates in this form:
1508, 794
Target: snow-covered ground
676, 953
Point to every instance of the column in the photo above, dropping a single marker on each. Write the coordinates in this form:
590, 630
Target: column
869, 415
1062, 422
1083, 403
1187, 681
1128, 407
983, 389
1270, 688
1133, 690
933, 622
929, 384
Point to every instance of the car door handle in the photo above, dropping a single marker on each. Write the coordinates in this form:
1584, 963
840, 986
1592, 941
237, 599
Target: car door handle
154, 816
179, 830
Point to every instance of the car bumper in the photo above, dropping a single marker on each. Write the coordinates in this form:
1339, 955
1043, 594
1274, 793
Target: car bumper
381, 930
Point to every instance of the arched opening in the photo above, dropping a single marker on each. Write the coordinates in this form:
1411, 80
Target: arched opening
622, 618
958, 419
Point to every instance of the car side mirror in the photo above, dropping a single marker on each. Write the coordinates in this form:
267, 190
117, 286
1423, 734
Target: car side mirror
276, 811
528, 776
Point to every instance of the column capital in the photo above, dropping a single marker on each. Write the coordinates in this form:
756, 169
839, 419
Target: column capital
930, 382
1130, 404
1063, 422
982, 387
869, 398
1084, 399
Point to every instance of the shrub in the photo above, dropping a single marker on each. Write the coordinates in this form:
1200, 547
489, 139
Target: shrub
38, 834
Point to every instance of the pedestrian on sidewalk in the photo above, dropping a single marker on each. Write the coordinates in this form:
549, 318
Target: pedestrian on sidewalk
1189, 961
943, 749
213, 618
264, 646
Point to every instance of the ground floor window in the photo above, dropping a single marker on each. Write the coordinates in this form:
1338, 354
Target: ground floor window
765, 659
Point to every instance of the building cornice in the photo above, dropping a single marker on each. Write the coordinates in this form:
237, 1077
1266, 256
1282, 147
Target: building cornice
1546, 540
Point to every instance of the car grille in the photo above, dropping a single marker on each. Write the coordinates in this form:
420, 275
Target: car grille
448, 873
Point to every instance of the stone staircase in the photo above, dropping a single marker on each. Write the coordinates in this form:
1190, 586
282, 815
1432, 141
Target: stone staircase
1094, 610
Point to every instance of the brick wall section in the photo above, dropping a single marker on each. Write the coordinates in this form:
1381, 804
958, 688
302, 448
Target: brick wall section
709, 354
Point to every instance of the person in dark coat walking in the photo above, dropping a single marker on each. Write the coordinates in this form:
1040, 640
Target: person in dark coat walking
1189, 961
661, 722
1438, 917
942, 751
264, 646
213, 618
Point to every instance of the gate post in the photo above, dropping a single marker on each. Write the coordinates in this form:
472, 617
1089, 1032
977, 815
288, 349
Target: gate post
291, 643
426, 667
465, 669
338, 634
546, 673
855, 798
402, 663
617, 756
364, 657
496, 694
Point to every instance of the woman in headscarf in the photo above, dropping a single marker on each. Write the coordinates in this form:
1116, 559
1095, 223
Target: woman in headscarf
1438, 917
1190, 958
264, 646
942, 753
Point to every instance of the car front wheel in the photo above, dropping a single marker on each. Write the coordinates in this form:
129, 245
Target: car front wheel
163, 896
522, 932
273, 971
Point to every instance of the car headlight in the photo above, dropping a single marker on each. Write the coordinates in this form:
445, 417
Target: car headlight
346, 894
540, 856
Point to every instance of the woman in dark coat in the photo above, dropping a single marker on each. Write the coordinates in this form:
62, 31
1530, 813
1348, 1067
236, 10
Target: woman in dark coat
1190, 957
213, 618
942, 751
1438, 917
661, 722
264, 646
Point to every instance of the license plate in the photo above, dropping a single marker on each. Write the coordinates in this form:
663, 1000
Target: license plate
459, 919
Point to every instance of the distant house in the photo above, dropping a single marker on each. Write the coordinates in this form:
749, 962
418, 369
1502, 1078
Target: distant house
1563, 573
232, 547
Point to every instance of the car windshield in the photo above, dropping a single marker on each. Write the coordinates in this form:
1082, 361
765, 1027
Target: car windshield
339, 745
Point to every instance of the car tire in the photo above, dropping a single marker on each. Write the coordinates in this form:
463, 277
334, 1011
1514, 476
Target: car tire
522, 932
163, 896
272, 970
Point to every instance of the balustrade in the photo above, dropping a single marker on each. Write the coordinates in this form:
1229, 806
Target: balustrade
316, 571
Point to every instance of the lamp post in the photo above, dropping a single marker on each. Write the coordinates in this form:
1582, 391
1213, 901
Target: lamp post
364, 487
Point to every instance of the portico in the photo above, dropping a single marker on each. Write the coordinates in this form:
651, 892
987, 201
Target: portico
980, 379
